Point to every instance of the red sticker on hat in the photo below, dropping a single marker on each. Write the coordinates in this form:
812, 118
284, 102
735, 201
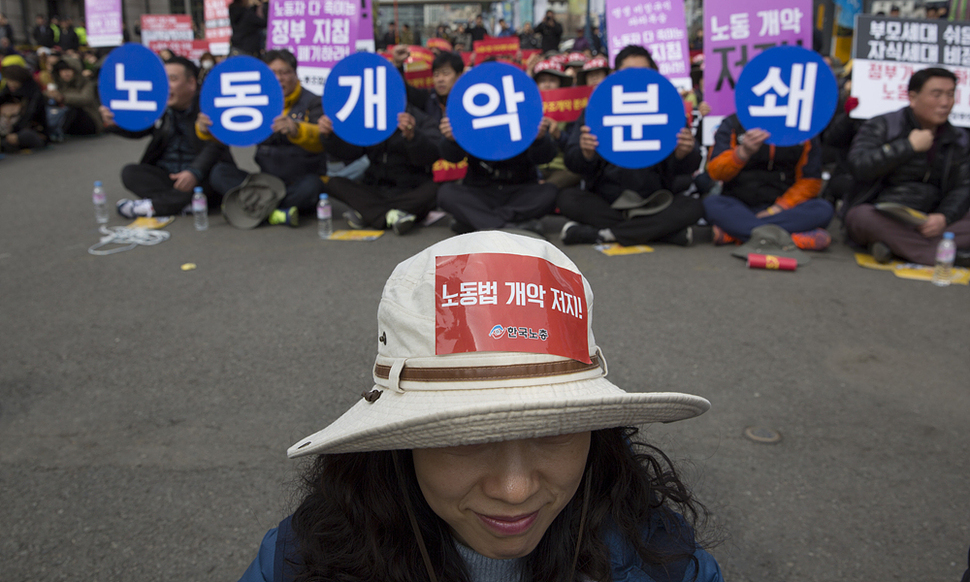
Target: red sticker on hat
493, 302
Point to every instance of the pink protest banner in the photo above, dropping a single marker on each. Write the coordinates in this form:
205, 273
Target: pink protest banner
319, 32
656, 25
103, 20
157, 28
736, 33
218, 31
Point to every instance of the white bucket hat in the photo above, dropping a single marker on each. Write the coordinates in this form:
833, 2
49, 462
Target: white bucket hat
482, 338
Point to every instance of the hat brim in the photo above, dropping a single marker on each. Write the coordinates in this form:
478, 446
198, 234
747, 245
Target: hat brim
442, 418
236, 214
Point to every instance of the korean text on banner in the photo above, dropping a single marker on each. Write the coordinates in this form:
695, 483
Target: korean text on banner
565, 104
887, 51
218, 30
103, 22
157, 28
656, 25
735, 33
319, 32
493, 302
491, 47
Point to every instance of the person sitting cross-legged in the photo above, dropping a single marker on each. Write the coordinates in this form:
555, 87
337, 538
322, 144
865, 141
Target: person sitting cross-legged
765, 184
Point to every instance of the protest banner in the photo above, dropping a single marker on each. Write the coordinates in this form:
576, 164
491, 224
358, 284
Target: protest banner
363, 96
493, 47
621, 109
887, 51
190, 49
445, 171
788, 91
319, 32
133, 84
658, 26
565, 104
158, 28
440, 44
419, 53
242, 97
495, 110
218, 30
735, 34
420, 79
103, 22
467, 58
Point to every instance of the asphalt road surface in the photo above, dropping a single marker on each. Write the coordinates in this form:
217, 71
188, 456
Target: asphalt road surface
145, 410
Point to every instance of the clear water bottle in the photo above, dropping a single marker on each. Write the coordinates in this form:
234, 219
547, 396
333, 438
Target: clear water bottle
324, 217
100, 200
200, 209
945, 253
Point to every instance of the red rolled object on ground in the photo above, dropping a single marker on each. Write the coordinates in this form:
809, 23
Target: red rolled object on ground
756, 261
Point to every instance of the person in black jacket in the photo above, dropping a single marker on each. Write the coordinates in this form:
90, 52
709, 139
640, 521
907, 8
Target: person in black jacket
293, 153
498, 194
42, 32
397, 190
69, 40
176, 160
551, 32
594, 212
913, 157
248, 20
22, 106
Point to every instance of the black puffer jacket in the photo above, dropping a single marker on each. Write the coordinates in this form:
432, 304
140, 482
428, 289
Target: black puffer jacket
884, 162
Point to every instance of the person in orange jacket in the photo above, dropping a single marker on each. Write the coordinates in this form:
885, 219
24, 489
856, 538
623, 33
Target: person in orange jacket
766, 184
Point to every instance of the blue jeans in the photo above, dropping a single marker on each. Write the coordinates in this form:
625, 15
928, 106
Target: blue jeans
738, 219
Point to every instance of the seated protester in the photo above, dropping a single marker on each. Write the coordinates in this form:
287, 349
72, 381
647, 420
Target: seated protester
397, 190
293, 153
23, 103
593, 72
176, 160
79, 96
836, 142
445, 70
550, 76
915, 158
764, 184
498, 194
493, 466
599, 213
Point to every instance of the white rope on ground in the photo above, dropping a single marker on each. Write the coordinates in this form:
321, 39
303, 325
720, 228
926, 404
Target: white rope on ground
129, 237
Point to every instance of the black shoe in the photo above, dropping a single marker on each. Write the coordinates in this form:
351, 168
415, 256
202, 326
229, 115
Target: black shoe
962, 258
533, 226
574, 233
683, 237
881, 252
459, 227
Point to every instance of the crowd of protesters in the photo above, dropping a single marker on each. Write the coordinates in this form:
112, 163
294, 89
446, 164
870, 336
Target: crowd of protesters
918, 159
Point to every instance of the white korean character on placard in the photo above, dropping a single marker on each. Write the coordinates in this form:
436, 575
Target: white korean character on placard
535, 294
281, 31
791, 19
516, 293
132, 87
469, 294
240, 98
321, 34
635, 110
482, 112
720, 32
488, 293
375, 97
298, 30
770, 23
450, 298
800, 93
739, 26
341, 31
877, 29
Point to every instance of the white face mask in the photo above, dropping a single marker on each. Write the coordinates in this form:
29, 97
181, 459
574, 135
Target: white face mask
207, 64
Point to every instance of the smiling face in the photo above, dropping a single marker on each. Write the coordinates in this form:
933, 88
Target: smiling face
500, 498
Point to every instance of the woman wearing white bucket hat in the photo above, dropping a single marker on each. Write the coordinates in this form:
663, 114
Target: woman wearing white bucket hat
491, 447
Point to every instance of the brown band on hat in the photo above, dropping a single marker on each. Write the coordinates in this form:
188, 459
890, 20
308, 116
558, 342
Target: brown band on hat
508, 372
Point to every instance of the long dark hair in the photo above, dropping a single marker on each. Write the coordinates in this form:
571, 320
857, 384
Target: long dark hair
353, 524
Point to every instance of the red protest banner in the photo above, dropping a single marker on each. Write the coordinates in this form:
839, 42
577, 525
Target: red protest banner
445, 171
419, 53
565, 104
440, 44
419, 79
468, 58
527, 54
496, 46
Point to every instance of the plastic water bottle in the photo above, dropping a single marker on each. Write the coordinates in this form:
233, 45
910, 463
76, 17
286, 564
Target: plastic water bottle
945, 253
200, 209
100, 200
324, 217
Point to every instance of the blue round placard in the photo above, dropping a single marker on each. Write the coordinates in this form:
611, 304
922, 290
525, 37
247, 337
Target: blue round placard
787, 91
495, 111
636, 115
363, 96
134, 86
242, 97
